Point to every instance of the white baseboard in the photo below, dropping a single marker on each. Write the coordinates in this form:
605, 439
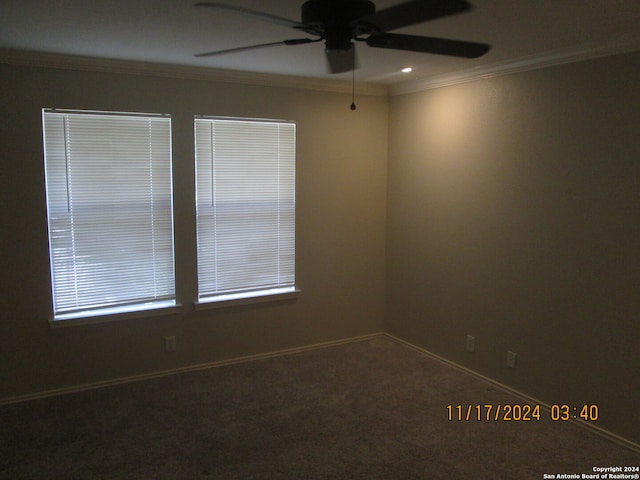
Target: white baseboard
523, 396
175, 371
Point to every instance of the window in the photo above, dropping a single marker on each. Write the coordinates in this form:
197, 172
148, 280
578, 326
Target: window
109, 205
245, 203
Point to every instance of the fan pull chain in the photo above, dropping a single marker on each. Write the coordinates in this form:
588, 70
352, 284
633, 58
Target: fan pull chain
353, 86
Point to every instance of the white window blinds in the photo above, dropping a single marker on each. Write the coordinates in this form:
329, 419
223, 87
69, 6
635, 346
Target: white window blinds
245, 202
109, 202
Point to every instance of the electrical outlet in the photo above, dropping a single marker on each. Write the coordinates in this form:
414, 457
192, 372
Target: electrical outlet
471, 343
511, 359
170, 344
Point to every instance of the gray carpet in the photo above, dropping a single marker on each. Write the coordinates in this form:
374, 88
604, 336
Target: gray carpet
373, 409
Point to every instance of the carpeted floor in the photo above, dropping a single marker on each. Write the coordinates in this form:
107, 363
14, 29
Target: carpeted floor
372, 409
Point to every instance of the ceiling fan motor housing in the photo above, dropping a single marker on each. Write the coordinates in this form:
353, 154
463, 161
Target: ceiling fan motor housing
338, 19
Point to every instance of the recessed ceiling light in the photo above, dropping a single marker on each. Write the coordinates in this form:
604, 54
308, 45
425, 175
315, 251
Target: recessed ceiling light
406, 70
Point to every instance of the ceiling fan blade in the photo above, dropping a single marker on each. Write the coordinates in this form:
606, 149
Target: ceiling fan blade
340, 61
252, 13
439, 46
295, 41
414, 11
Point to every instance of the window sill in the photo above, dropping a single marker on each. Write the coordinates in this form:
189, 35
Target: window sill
89, 319
224, 301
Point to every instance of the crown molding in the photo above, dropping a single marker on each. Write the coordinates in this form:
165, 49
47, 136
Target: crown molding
532, 62
105, 65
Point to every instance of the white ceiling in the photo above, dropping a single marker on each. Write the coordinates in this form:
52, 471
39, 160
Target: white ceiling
172, 31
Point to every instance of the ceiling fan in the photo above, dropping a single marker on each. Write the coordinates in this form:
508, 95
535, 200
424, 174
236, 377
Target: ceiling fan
339, 22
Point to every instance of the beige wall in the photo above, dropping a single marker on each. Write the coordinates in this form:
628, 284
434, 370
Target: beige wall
514, 216
341, 201
511, 213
